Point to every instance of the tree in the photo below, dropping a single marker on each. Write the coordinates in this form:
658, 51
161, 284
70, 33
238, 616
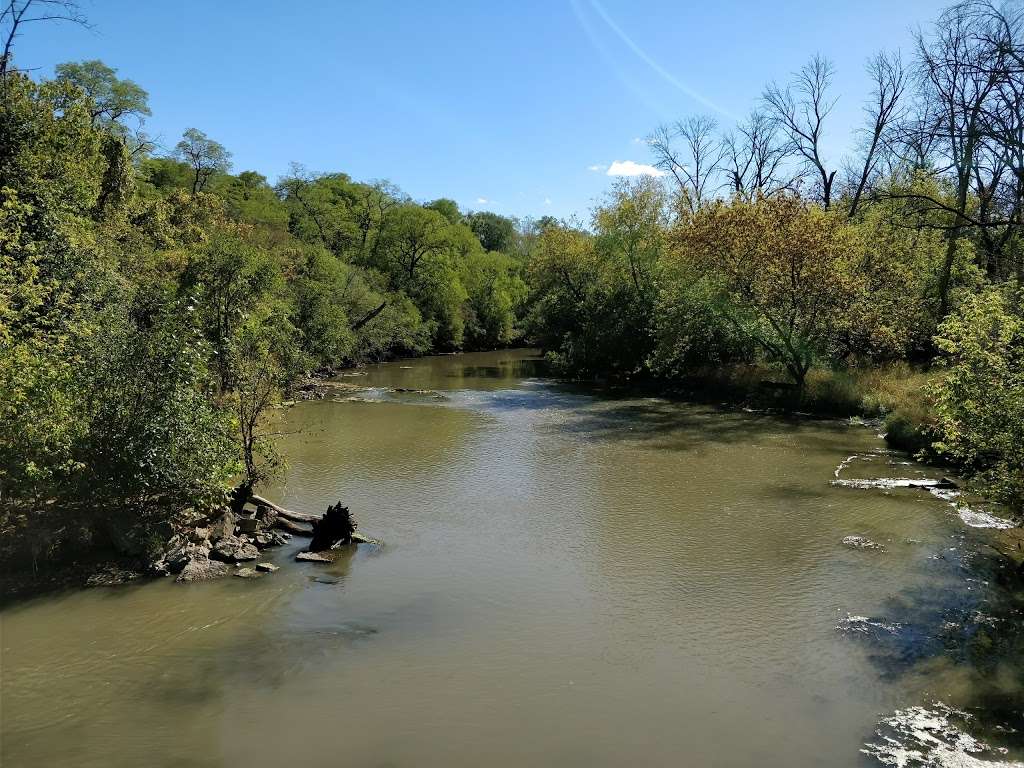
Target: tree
205, 156
695, 164
980, 397
15, 14
961, 67
753, 157
418, 233
800, 110
495, 233
890, 81
785, 267
113, 99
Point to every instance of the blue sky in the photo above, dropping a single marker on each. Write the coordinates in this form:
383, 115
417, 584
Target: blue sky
500, 106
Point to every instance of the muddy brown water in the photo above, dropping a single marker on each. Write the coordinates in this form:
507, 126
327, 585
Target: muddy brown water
568, 579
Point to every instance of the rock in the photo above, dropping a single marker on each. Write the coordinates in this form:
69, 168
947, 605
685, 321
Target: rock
112, 576
358, 538
266, 515
266, 539
177, 555
223, 526
267, 567
947, 484
314, 557
202, 569
246, 552
335, 527
247, 525
862, 542
225, 548
198, 535
246, 573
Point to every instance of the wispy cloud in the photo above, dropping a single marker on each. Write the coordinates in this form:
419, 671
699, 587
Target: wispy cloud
632, 168
660, 70
482, 201
597, 168
547, 201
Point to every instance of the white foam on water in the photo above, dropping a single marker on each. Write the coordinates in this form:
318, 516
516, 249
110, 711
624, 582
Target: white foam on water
976, 518
887, 482
865, 625
921, 736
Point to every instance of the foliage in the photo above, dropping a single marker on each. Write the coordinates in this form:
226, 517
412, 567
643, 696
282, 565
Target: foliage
785, 267
979, 400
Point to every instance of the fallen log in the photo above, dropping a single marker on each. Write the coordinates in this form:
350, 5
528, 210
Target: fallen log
297, 517
291, 526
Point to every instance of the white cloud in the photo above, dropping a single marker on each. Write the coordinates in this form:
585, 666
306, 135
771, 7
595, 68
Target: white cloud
596, 168
631, 168
638, 140
482, 200
547, 201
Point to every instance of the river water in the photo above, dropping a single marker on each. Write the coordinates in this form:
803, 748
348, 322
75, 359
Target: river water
566, 579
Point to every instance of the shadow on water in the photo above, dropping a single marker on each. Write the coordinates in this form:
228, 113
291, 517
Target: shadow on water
668, 426
972, 625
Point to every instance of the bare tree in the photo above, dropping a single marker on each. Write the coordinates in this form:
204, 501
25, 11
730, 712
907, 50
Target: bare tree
962, 67
690, 151
753, 157
800, 111
15, 14
890, 81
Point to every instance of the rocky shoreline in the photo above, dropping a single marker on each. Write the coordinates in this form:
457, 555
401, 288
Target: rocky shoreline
207, 548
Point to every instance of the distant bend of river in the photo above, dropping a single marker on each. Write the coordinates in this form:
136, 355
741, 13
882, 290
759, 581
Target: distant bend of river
567, 580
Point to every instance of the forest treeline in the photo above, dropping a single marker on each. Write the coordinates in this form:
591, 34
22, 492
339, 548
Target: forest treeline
155, 306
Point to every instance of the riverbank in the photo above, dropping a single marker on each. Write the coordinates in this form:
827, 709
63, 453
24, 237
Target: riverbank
686, 575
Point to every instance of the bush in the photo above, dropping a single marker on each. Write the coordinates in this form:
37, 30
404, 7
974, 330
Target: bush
980, 397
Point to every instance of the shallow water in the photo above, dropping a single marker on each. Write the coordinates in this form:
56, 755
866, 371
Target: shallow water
567, 579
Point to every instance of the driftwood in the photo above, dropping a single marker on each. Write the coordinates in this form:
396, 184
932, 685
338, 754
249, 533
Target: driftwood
333, 529
300, 523
298, 529
295, 517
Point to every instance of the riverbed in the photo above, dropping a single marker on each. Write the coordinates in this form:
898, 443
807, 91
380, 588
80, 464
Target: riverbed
568, 578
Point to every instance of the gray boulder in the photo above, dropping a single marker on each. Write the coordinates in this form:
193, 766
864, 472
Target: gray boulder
202, 569
245, 553
247, 525
223, 526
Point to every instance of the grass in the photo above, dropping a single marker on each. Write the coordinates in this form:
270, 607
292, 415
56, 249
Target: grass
895, 393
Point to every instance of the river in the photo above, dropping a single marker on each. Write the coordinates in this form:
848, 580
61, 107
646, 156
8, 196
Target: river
566, 579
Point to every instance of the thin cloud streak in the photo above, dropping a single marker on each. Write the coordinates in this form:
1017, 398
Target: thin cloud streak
668, 76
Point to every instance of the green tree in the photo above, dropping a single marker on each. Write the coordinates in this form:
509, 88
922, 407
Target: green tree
203, 155
113, 99
979, 399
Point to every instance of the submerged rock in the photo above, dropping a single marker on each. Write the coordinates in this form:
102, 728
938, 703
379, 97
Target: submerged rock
246, 573
314, 557
862, 542
267, 567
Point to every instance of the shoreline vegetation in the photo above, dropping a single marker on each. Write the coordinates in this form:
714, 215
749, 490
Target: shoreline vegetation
156, 307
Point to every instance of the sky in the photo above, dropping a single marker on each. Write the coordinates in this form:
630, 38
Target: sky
522, 108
